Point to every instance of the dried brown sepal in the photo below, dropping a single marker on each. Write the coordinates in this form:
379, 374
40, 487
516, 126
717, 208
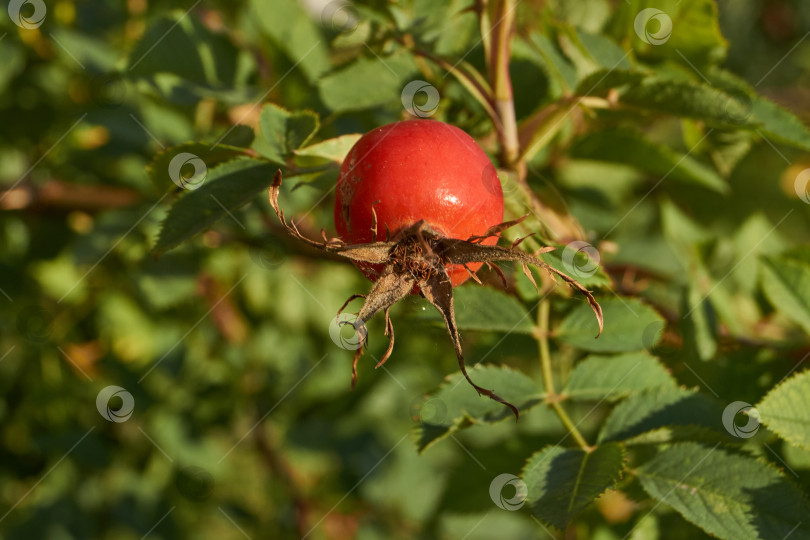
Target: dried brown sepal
499, 272
420, 228
389, 331
456, 251
346, 303
597, 309
528, 274
376, 253
389, 289
357, 354
439, 292
520, 240
418, 258
496, 230
374, 222
472, 274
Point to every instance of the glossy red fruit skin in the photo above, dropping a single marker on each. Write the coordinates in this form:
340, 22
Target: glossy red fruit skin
417, 169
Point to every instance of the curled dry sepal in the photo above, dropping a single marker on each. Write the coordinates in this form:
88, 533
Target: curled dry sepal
416, 259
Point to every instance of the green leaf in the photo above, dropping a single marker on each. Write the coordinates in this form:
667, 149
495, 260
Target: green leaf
225, 189
367, 82
485, 309
562, 482
556, 65
773, 122
646, 528
615, 377
239, 135
538, 130
331, 149
284, 131
604, 52
484, 525
681, 230
168, 281
591, 52
159, 168
633, 148
600, 82
780, 125
13, 62
656, 408
451, 28
85, 49
290, 27
728, 495
786, 410
689, 100
190, 54
671, 434
695, 31
628, 324
457, 405
699, 319
753, 239
786, 282
589, 15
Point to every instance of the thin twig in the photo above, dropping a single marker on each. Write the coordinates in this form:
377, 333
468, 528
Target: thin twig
281, 469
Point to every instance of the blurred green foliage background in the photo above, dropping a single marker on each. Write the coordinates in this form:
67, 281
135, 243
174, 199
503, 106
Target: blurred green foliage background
244, 423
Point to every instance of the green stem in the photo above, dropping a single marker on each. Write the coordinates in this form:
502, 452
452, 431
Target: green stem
501, 52
545, 364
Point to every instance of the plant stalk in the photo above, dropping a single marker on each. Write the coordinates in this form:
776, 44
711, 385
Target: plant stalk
548, 380
502, 30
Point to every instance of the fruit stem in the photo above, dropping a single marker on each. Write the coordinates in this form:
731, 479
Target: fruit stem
545, 364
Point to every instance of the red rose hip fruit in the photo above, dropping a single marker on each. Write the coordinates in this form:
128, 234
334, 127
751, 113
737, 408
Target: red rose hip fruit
417, 170
419, 207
